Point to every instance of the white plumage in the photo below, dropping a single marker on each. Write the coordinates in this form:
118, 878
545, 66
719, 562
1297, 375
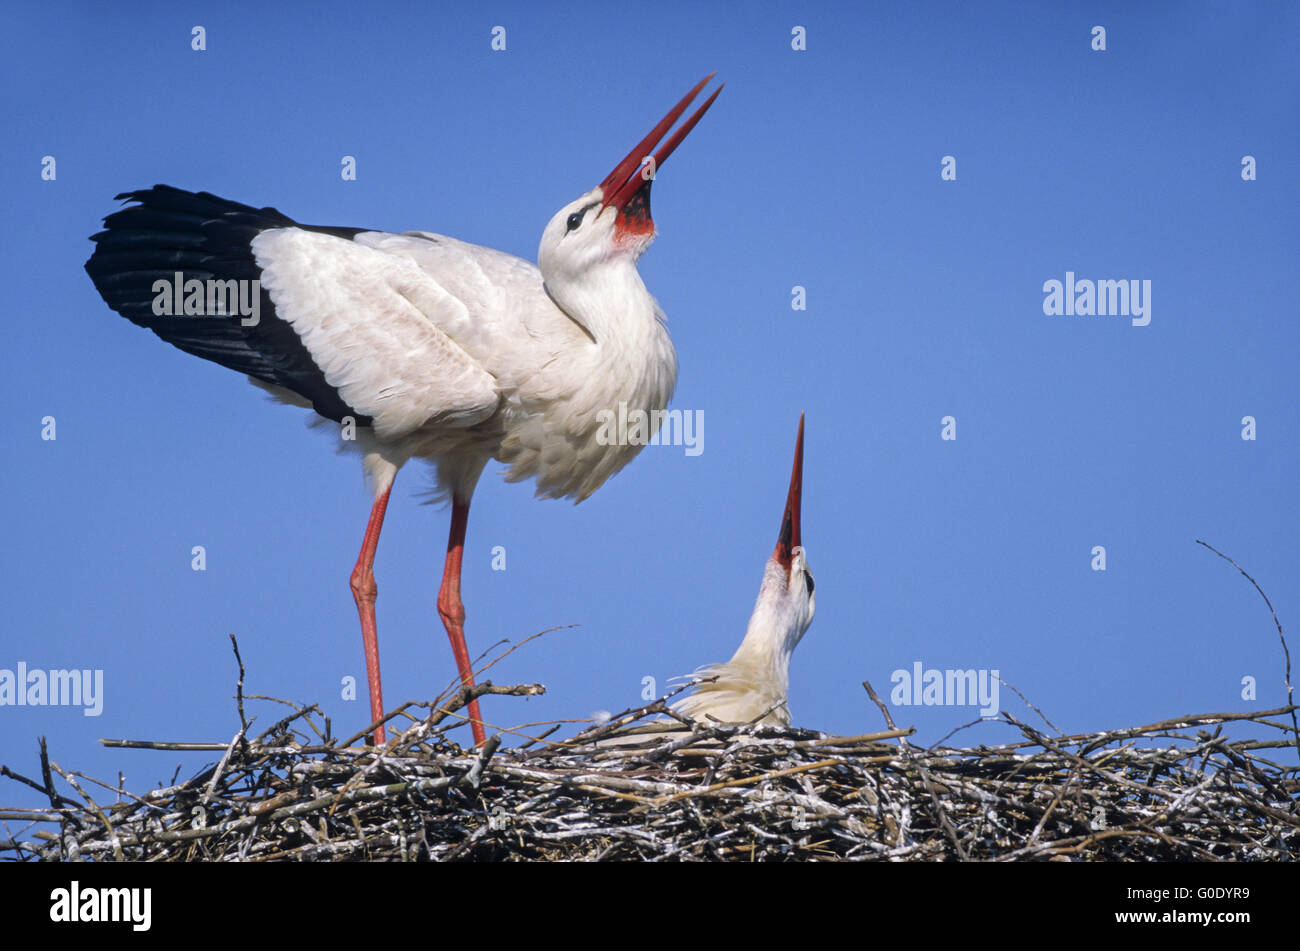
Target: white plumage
459, 355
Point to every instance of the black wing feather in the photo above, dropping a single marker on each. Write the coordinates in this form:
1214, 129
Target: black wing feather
206, 238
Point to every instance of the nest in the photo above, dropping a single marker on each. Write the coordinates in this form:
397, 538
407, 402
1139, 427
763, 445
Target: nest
643, 789
708, 793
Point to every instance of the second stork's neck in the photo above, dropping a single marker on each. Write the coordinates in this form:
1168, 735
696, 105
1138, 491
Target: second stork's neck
774, 631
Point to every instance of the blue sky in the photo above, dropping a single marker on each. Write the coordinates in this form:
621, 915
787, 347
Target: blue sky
818, 168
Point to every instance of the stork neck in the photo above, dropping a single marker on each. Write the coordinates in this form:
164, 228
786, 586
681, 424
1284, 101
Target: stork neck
773, 631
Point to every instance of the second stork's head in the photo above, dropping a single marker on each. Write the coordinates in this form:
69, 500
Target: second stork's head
593, 241
786, 600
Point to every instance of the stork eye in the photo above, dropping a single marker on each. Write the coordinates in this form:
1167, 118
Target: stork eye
807, 577
575, 219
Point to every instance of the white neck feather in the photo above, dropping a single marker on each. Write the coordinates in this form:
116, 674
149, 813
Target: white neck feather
775, 629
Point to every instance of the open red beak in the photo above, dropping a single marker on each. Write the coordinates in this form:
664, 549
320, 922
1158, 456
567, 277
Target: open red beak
789, 538
627, 188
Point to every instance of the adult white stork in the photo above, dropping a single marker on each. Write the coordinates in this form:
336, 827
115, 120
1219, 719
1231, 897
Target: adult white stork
428, 346
755, 683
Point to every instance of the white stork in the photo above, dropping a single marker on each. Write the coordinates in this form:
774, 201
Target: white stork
755, 683
431, 347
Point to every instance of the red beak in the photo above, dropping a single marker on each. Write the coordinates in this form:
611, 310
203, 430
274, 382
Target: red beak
790, 538
627, 188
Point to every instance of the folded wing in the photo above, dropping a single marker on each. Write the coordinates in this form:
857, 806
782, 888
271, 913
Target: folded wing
352, 329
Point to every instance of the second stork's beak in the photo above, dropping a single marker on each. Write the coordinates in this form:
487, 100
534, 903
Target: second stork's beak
789, 538
627, 188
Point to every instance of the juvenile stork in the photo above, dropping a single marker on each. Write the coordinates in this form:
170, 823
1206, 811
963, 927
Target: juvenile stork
755, 683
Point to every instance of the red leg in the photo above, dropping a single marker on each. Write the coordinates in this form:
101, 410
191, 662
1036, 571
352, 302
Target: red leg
365, 591
453, 611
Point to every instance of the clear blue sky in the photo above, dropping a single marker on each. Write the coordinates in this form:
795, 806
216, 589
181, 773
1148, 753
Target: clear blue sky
818, 168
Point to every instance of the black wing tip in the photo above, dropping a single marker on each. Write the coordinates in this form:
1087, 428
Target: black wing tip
141, 194
170, 196
208, 207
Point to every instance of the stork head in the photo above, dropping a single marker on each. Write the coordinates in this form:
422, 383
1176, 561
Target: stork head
788, 583
612, 223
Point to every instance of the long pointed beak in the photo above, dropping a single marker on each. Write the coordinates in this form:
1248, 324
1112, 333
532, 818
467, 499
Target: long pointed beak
629, 179
790, 539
